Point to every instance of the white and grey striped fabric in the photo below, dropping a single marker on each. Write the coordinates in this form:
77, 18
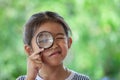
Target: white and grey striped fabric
80, 77
75, 76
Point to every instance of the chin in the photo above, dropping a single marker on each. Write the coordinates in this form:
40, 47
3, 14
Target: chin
55, 64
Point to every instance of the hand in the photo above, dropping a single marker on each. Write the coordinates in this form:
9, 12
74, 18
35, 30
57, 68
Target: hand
34, 63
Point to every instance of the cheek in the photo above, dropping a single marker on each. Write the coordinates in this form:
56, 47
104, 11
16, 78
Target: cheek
64, 47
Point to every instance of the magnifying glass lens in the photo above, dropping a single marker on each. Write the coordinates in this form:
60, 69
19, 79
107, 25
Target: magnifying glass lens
44, 39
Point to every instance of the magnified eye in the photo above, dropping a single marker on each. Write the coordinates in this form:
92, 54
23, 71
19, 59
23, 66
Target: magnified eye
44, 39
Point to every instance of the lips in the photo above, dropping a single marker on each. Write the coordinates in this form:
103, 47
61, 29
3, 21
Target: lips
55, 53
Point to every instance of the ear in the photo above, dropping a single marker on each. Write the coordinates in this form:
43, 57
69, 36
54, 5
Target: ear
69, 42
28, 49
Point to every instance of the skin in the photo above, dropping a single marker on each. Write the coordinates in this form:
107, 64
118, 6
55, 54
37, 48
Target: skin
48, 63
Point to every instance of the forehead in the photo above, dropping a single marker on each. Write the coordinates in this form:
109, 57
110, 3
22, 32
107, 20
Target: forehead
52, 27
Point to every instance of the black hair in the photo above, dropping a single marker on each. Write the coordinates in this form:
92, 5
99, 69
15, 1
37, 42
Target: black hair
40, 18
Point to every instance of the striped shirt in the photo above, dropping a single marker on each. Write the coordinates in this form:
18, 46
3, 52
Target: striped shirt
73, 76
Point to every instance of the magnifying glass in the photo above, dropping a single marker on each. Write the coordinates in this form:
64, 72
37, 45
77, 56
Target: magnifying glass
44, 39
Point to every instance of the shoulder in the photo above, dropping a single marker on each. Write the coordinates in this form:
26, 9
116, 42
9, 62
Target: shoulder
21, 77
78, 76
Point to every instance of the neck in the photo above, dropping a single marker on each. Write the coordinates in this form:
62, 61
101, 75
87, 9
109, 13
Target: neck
54, 73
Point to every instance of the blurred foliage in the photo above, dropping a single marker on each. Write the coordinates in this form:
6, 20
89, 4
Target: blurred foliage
96, 35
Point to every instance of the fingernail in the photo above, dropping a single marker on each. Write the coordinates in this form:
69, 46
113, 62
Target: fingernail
42, 49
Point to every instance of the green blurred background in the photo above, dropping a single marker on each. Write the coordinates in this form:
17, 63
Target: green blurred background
96, 35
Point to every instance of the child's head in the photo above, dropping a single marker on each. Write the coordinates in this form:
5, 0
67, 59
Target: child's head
55, 24
38, 19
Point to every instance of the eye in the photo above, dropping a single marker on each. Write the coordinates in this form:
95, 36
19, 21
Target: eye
60, 38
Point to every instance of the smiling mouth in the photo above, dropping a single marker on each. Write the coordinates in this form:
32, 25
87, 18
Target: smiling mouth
56, 53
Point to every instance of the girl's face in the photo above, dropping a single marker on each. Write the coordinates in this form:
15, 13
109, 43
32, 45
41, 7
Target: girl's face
54, 55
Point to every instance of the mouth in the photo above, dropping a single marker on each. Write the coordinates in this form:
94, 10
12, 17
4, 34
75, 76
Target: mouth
55, 53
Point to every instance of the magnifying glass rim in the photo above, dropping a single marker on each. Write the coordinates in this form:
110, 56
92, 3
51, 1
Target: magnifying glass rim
38, 36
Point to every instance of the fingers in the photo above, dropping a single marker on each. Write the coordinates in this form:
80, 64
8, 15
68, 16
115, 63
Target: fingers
34, 63
36, 56
39, 51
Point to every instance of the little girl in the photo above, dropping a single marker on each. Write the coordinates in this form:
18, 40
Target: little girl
46, 42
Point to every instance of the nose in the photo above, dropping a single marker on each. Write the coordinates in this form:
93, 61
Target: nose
55, 44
